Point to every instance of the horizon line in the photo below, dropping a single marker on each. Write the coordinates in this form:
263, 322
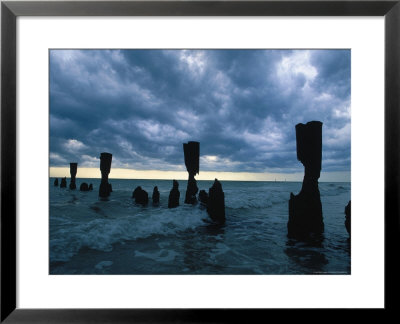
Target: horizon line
224, 180
132, 174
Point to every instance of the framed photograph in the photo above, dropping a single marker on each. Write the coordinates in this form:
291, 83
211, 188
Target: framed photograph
197, 155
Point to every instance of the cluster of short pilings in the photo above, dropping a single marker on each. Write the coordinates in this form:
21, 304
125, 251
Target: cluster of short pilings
214, 200
105, 167
73, 168
63, 184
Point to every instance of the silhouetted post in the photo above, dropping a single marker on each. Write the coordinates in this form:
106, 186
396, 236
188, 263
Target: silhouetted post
73, 168
90, 187
156, 196
305, 209
84, 187
191, 151
347, 221
63, 183
56, 182
203, 197
141, 197
105, 168
135, 192
216, 203
174, 194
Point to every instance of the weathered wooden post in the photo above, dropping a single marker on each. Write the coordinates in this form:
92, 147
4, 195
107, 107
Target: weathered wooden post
156, 196
105, 168
191, 151
63, 183
216, 202
73, 168
305, 209
347, 222
174, 195
141, 196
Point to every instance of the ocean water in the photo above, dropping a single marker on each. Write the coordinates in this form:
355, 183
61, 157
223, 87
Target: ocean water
116, 236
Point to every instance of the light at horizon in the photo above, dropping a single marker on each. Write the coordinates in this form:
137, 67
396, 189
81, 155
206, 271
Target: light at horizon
118, 173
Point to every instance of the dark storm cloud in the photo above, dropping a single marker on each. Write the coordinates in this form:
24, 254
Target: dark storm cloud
242, 105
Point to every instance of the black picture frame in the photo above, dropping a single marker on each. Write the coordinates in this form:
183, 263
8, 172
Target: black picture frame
10, 10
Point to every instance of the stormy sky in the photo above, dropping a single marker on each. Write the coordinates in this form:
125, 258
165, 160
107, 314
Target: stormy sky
241, 105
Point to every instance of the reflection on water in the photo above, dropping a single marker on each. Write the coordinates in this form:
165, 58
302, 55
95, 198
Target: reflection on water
199, 248
308, 254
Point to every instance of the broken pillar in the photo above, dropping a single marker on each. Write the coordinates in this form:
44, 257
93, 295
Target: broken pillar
216, 203
174, 194
136, 191
305, 209
84, 187
105, 168
347, 221
203, 197
156, 196
191, 151
73, 167
63, 183
141, 197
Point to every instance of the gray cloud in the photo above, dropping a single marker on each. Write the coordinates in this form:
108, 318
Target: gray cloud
242, 105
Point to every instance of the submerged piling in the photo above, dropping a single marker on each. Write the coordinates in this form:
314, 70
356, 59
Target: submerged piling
216, 203
141, 196
174, 195
203, 197
347, 221
84, 187
63, 183
156, 196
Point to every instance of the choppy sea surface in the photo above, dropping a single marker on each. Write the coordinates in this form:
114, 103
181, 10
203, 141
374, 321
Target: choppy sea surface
116, 236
